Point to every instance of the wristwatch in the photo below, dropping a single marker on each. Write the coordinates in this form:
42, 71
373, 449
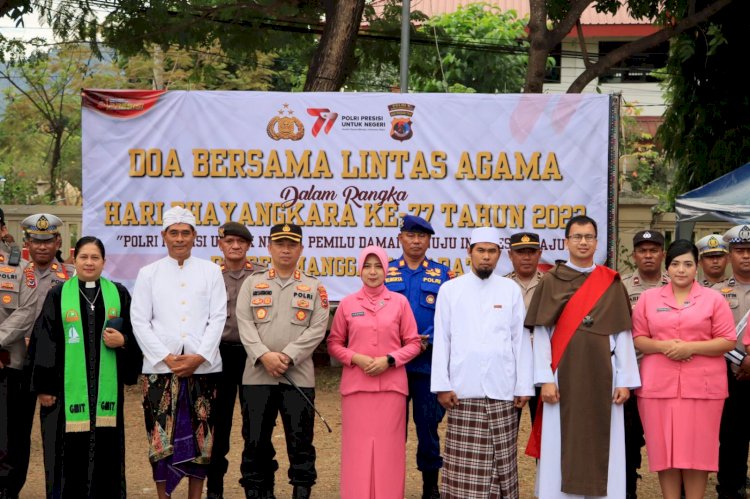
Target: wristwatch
391, 360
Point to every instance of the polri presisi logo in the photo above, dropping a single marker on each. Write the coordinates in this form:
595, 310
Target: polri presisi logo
401, 125
287, 127
325, 121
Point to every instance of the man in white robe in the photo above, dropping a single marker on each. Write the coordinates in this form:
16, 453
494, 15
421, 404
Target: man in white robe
577, 475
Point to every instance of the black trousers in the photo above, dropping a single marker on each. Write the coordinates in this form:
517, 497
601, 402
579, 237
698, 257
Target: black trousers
634, 440
12, 413
260, 406
733, 439
233, 357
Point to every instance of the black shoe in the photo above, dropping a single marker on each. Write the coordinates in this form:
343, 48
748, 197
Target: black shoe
430, 489
301, 492
215, 495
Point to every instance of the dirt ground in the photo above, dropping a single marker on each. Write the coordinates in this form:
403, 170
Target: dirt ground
327, 445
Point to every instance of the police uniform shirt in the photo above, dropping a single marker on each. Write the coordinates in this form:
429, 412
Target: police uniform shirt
18, 301
527, 289
56, 273
635, 284
738, 298
288, 316
420, 287
233, 280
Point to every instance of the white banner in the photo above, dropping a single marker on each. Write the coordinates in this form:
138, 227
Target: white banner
344, 166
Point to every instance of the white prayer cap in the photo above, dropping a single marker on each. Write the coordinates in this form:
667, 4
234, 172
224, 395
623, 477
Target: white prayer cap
178, 215
485, 235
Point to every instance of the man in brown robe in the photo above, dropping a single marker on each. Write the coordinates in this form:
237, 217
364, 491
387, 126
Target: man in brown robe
585, 380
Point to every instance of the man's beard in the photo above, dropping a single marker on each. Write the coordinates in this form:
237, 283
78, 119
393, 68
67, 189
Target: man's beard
483, 273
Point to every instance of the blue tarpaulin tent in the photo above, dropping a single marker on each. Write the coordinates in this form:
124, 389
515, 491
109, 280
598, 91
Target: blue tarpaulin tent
726, 199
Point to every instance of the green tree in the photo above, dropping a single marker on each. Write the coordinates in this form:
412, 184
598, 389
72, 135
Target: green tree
706, 130
43, 112
550, 21
475, 26
239, 28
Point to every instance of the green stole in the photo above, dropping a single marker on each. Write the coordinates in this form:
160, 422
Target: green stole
77, 416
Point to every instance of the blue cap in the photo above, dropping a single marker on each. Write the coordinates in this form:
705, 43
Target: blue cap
411, 223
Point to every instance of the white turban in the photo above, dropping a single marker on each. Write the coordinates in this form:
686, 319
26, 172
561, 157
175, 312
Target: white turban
178, 215
485, 235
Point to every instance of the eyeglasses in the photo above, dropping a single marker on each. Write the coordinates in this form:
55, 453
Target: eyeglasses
577, 238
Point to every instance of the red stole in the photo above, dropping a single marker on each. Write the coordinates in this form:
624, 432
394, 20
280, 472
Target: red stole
578, 307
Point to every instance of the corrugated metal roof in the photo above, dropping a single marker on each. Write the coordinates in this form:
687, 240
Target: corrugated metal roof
590, 16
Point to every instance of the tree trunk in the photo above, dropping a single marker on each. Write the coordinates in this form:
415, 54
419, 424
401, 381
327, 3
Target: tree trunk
158, 59
538, 47
54, 166
327, 70
622, 53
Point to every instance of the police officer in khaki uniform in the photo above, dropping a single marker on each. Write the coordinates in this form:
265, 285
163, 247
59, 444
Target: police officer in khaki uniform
735, 432
713, 257
282, 317
524, 254
648, 256
18, 300
42, 238
234, 243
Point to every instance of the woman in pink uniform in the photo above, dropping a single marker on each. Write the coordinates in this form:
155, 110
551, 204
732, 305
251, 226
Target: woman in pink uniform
373, 335
683, 329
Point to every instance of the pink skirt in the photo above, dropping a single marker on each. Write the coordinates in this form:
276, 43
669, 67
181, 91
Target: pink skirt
373, 445
681, 433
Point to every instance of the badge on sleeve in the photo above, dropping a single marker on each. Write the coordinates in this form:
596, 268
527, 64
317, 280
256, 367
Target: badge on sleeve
323, 296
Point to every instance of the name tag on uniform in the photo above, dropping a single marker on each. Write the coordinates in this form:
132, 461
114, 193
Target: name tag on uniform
357, 314
663, 309
497, 306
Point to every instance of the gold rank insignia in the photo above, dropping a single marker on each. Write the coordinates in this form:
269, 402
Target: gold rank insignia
430, 299
261, 285
301, 314
261, 313
525, 238
61, 275
6, 299
271, 274
726, 290
297, 275
2, 258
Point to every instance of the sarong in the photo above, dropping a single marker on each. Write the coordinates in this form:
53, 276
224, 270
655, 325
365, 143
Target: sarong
179, 425
480, 458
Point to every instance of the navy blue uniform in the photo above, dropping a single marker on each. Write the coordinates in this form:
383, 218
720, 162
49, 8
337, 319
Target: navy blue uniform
421, 287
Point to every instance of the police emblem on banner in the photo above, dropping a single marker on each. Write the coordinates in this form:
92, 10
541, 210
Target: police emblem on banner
285, 127
401, 125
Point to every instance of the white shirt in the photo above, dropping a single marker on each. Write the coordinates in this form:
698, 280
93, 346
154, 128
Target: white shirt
179, 309
481, 348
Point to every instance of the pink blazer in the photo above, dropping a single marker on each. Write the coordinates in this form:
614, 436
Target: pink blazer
705, 316
359, 327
